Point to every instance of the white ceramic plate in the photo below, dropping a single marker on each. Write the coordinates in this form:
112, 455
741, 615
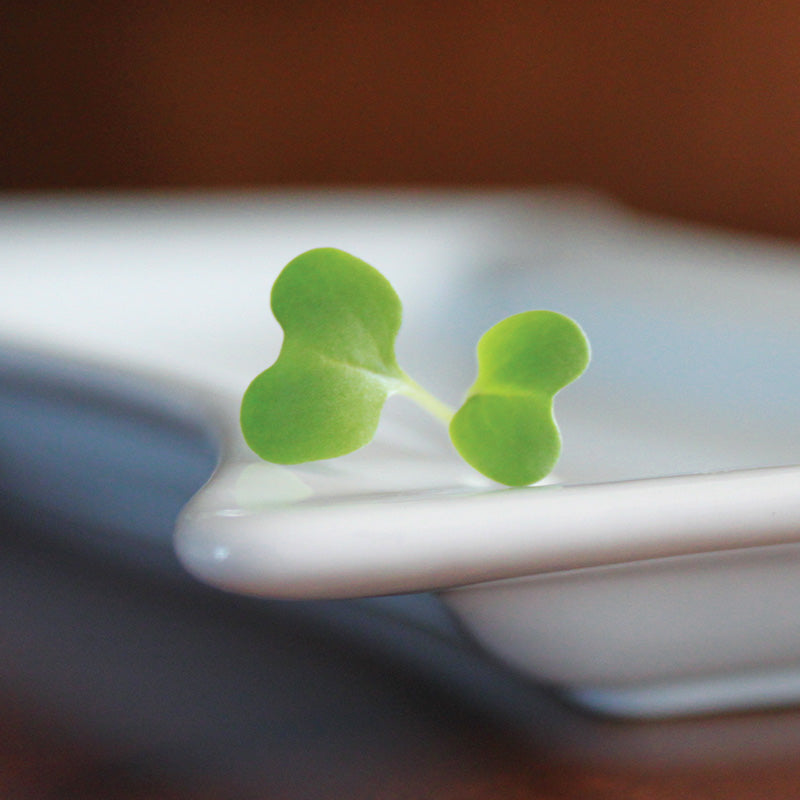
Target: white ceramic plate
658, 574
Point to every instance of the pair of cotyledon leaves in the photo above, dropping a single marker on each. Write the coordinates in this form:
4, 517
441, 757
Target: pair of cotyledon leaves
323, 397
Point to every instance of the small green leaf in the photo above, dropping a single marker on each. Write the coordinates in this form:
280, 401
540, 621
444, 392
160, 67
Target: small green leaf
505, 428
323, 396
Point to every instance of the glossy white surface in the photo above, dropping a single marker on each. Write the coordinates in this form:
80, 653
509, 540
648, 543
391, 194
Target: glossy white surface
631, 589
421, 540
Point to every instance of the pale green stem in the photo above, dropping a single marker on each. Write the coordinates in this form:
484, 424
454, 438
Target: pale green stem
433, 405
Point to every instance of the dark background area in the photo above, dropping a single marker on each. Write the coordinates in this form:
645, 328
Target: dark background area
684, 108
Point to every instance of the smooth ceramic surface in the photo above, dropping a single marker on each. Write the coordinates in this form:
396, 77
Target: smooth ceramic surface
656, 575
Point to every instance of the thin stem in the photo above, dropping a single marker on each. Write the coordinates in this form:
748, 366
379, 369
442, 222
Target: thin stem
433, 405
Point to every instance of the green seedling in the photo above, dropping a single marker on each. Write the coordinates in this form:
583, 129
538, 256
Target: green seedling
323, 396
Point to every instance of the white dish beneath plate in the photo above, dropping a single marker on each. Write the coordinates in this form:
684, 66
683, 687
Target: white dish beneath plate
659, 575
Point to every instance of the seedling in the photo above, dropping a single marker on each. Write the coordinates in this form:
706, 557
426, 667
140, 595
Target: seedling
323, 396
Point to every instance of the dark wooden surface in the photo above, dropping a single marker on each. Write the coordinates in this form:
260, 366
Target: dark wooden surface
684, 108
464, 758
115, 684
36, 764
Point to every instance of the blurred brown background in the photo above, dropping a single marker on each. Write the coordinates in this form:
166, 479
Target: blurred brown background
688, 108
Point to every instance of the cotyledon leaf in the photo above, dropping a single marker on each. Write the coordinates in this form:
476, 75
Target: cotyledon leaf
323, 396
506, 428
